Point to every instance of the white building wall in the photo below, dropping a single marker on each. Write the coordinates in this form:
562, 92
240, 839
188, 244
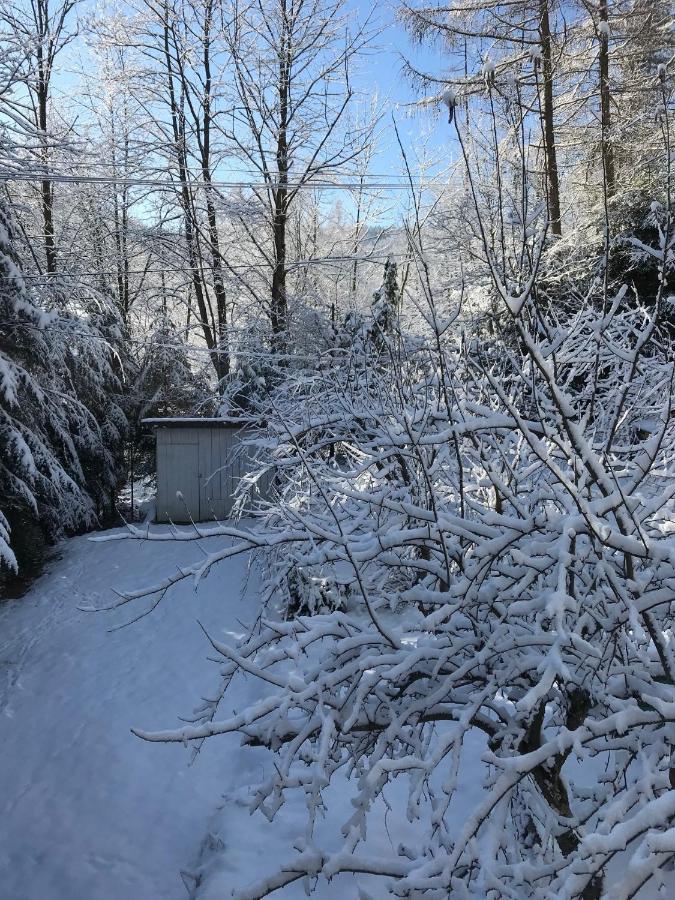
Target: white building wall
198, 471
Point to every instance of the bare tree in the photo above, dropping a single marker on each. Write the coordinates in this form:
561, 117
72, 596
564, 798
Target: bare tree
291, 91
46, 29
176, 81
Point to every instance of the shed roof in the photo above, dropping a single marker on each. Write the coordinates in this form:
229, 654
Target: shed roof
196, 422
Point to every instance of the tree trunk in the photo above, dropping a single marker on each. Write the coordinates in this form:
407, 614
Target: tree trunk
279, 307
186, 200
549, 130
605, 114
46, 187
121, 222
222, 356
357, 237
551, 783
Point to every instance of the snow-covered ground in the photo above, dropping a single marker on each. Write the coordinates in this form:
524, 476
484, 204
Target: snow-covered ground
90, 812
87, 810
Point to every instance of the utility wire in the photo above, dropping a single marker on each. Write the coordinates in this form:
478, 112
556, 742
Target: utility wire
65, 329
188, 271
184, 346
59, 178
241, 173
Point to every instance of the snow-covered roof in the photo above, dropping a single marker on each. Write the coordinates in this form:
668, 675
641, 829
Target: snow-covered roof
196, 422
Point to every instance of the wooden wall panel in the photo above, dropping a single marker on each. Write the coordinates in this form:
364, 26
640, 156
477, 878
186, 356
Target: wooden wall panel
205, 465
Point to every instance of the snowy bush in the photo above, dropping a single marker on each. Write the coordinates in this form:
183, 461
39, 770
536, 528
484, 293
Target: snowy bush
504, 548
479, 525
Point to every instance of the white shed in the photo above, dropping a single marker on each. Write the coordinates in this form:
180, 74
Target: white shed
200, 463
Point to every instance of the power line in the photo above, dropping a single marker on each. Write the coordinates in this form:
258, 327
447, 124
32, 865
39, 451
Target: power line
241, 172
64, 328
60, 178
185, 346
189, 271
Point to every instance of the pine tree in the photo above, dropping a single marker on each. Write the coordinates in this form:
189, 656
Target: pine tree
166, 384
386, 301
62, 422
93, 367
40, 474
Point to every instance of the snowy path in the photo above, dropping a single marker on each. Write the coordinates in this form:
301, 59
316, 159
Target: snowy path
87, 811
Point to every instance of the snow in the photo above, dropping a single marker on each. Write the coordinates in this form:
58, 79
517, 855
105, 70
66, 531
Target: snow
232, 861
604, 30
196, 421
449, 97
6, 553
87, 810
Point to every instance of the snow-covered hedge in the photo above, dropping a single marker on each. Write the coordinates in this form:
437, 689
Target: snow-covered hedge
489, 534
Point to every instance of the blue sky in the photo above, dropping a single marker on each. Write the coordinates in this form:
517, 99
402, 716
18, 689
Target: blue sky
382, 70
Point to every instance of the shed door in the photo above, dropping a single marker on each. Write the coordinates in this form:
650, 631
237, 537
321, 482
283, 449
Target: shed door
214, 497
182, 471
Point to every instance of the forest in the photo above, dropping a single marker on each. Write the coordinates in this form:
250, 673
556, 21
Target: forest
424, 255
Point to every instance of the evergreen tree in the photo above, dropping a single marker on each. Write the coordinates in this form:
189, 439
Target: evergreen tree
89, 355
166, 384
61, 425
40, 473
